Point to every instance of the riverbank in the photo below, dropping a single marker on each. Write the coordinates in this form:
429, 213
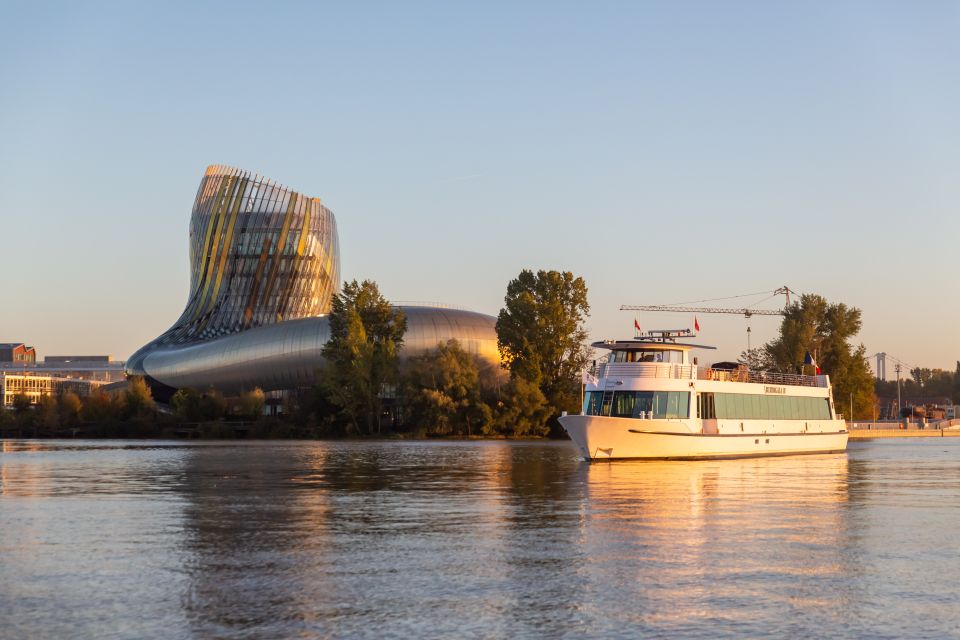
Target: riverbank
268, 429
871, 434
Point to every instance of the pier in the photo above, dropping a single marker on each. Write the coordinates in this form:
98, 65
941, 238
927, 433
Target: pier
872, 430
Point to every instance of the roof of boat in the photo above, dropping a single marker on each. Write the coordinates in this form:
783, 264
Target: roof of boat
646, 344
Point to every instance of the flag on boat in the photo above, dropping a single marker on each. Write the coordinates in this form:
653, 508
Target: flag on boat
589, 378
696, 324
809, 360
636, 325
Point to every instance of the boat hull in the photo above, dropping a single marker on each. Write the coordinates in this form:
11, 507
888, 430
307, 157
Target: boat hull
603, 438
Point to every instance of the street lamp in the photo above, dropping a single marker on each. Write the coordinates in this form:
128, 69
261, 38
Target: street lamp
899, 408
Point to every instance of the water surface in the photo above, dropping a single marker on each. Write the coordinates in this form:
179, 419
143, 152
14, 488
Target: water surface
123, 539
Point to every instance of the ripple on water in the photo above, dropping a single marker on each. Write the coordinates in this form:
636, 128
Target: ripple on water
370, 539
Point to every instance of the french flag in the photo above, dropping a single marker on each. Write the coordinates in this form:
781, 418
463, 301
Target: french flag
809, 360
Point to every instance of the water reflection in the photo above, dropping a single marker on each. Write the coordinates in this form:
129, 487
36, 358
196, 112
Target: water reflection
733, 541
346, 536
309, 539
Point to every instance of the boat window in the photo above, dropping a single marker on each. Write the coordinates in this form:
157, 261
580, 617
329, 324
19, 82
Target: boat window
673, 400
796, 409
672, 356
641, 404
623, 404
591, 403
756, 407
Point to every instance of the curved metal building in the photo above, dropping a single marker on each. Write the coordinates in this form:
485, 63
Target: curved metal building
265, 264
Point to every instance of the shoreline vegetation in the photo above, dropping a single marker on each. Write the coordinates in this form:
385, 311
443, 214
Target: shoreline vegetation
365, 390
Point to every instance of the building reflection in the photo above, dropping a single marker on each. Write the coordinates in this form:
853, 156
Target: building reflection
505, 539
314, 537
256, 542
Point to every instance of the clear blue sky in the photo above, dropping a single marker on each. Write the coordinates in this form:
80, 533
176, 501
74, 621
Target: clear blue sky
664, 151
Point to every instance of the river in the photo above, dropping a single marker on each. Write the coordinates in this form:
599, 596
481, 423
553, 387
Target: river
149, 539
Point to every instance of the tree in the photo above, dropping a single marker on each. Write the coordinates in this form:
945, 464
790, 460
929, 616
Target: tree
541, 334
366, 335
100, 408
47, 412
21, 403
138, 399
251, 404
441, 392
755, 359
186, 405
824, 330
522, 410
213, 405
70, 406
192, 406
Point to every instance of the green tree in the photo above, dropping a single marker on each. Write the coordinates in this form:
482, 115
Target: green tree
186, 405
138, 400
191, 406
101, 408
21, 403
541, 334
48, 415
366, 335
442, 394
814, 325
251, 403
522, 410
213, 406
70, 406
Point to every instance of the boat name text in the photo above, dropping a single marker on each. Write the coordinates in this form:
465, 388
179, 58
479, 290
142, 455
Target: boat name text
781, 390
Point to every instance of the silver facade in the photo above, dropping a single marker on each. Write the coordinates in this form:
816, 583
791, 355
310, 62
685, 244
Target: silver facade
287, 354
265, 265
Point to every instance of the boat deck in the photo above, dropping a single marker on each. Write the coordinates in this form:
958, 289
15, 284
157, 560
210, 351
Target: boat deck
694, 372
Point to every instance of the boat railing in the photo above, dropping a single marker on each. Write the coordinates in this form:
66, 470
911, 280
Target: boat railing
761, 377
647, 370
692, 372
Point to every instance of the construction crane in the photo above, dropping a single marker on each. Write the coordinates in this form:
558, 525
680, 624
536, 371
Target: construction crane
744, 311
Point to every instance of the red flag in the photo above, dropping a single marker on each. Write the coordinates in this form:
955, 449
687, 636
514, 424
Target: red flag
696, 324
636, 325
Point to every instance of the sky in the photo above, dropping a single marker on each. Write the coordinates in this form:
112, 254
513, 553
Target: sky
665, 152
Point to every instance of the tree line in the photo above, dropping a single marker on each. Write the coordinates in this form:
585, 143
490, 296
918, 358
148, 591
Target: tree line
134, 413
923, 383
366, 388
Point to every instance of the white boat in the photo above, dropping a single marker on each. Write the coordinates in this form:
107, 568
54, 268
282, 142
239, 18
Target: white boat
650, 401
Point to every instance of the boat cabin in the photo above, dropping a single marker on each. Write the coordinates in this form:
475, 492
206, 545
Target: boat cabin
655, 346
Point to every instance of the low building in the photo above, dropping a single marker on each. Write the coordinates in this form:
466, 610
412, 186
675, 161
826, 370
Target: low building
93, 368
17, 352
35, 386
